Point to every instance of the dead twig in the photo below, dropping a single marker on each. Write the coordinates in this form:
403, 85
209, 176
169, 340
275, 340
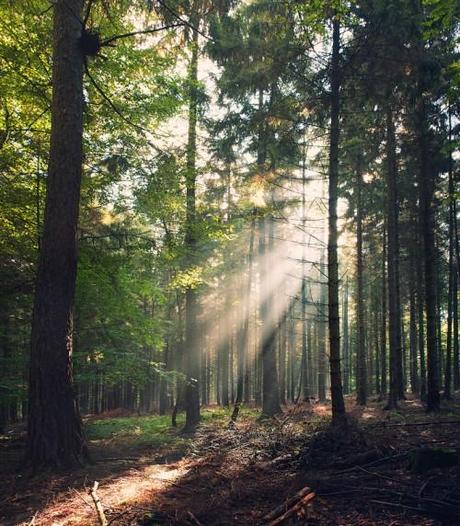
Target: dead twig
396, 505
81, 497
434, 423
289, 508
97, 503
193, 519
282, 508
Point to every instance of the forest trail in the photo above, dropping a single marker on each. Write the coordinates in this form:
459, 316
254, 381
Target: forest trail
236, 475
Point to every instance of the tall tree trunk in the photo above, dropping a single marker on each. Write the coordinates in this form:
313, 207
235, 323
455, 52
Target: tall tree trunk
243, 340
338, 405
305, 373
414, 379
361, 351
426, 191
345, 341
452, 274
383, 336
192, 358
455, 270
393, 264
321, 340
282, 357
55, 437
270, 388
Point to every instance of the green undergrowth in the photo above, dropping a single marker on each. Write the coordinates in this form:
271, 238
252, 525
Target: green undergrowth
155, 430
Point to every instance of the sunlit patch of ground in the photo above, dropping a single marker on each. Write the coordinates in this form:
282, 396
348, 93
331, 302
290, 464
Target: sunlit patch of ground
134, 487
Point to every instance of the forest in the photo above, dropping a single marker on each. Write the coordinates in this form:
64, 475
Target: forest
229, 262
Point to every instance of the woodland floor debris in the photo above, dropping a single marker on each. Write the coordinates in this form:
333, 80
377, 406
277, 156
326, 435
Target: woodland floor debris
238, 475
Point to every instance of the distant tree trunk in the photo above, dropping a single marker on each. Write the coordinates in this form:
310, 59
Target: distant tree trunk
304, 361
306, 372
455, 336
414, 379
247, 341
55, 437
452, 275
282, 358
338, 405
426, 191
455, 270
243, 343
163, 381
361, 398
376, 317
383, 336
393, 265
270, 387
192, 358
345, 341
225, 322
321, 347
291, 354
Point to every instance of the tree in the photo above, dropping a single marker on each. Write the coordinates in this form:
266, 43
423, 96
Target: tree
55, 436
338, 405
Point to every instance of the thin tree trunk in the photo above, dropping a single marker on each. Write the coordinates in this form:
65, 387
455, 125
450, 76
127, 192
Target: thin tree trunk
393, 264
452, 273
270, 387
426, 190
361, 352
345, 341
192, 387
338, 405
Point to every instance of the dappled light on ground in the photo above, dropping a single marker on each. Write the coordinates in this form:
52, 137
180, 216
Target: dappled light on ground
236, 474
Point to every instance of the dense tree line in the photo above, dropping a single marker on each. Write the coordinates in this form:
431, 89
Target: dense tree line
212, 201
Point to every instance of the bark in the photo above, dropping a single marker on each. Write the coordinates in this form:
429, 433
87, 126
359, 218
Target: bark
345, 342
361, 351
414, 379
383, 337
192, 387
55, 436
393, 265
426, 206
243, 344
338, 405
321, 347
306, 386
452, 273
455, 270
270, 388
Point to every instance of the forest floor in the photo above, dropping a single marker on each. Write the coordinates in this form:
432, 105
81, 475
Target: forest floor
150, 474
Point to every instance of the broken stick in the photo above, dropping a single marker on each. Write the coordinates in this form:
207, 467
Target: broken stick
292, 511
97, 502
282, 508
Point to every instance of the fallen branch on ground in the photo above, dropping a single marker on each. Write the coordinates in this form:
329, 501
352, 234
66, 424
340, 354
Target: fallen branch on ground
98, 504
439, 422
292, 511
286, 507
193, 519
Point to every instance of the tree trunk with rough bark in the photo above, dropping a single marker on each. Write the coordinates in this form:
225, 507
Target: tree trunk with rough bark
393, 264
192, 357
338, 405
55, 436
